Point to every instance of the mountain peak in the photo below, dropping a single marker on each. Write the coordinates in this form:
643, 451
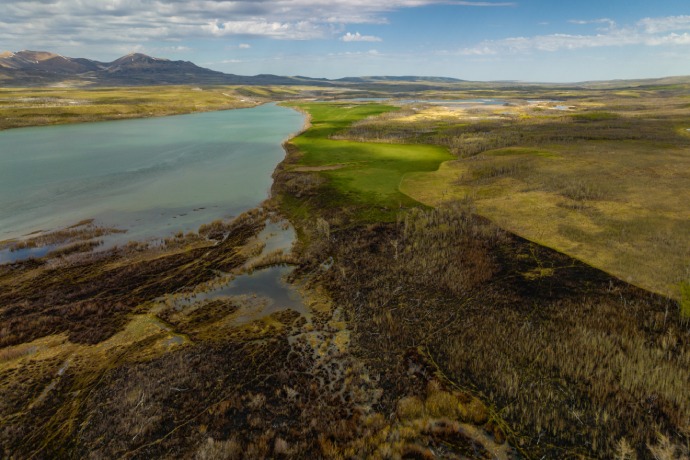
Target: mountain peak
138, 57
36, 56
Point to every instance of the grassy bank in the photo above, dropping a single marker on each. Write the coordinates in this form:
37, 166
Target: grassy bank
364, 174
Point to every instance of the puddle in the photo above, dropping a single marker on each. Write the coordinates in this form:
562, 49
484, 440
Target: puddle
263, 291
277, 236
8, 255
268, 284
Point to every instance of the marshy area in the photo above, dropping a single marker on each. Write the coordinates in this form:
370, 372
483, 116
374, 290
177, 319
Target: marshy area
198, 347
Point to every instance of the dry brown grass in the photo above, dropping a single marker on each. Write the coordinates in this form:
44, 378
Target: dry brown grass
609, 190
604, 181
569, 361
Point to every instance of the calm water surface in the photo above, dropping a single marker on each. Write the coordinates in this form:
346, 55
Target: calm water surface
150, 176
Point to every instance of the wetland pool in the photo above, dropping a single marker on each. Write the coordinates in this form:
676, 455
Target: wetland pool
152, 177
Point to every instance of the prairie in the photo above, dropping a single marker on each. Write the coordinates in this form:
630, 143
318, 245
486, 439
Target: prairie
601, 178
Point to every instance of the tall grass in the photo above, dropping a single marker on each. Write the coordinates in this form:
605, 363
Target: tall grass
574, 361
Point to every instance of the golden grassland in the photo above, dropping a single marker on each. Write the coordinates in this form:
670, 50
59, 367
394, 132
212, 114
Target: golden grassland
605, 179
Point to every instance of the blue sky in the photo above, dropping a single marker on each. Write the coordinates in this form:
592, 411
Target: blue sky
533, 40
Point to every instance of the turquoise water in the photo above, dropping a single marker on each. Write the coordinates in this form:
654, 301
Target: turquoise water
152, 176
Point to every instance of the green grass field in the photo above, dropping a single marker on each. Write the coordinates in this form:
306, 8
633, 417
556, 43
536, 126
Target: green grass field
367, 172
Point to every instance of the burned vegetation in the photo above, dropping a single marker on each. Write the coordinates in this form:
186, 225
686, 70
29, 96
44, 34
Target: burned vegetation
569, 361
150, 372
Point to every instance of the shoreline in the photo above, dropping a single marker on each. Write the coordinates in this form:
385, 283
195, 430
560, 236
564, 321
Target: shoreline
33, 239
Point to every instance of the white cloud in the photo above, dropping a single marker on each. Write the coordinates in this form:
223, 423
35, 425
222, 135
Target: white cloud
357, 37
244, 46
665, 24
301, 30
671, 39
607, 21
647, 32
62, 22
369, 53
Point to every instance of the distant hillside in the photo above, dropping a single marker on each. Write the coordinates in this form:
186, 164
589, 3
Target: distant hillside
37, 68
42, 68
410, 79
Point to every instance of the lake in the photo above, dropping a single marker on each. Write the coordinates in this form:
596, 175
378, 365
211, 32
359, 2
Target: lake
152, 176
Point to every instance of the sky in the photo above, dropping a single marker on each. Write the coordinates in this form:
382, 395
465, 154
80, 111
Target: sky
529, 40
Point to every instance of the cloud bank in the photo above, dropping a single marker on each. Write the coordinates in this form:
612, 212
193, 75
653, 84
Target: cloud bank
124, 22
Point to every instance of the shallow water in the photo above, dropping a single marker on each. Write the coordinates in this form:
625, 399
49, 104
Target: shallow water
7, 255
268, 284
277, 236
152, 177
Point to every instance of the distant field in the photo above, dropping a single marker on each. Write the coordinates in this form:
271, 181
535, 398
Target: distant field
603, 179
49, 106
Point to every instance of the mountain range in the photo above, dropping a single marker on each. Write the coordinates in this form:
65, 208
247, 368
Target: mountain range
43, 68
39, 68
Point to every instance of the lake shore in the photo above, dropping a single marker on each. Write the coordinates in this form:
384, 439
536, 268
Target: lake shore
151, 177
